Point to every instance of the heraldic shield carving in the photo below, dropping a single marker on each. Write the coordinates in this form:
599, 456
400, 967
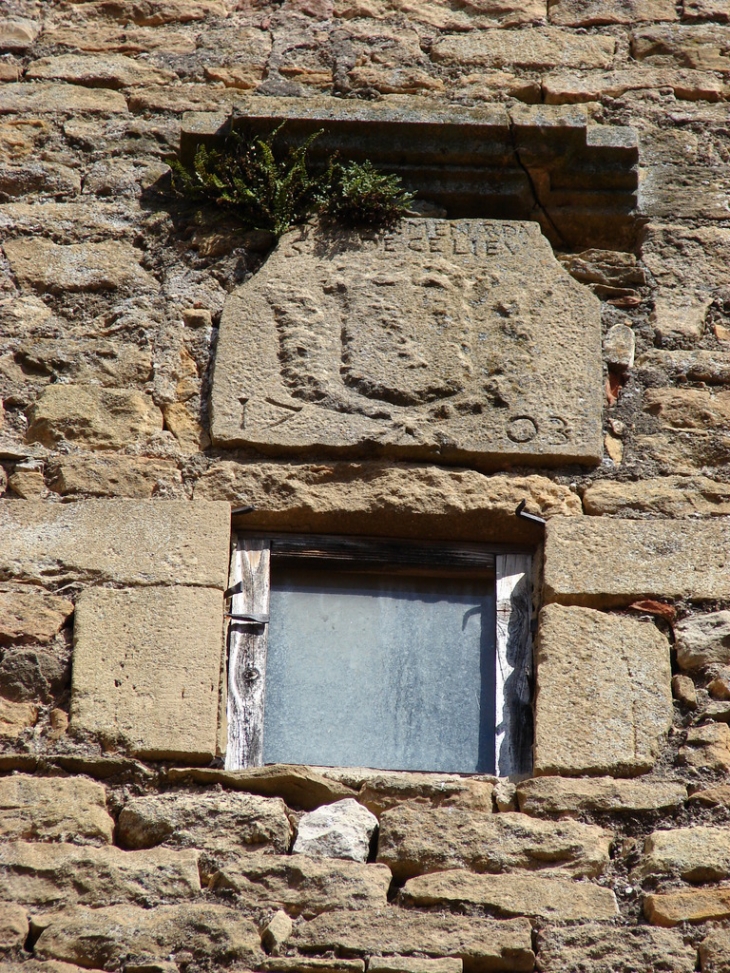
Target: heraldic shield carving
458, 341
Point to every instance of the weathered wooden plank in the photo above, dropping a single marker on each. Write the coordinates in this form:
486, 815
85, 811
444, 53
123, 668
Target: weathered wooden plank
247, 654
513, 736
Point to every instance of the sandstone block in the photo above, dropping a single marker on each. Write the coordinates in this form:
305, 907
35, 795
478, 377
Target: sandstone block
54, 809
25, 98
685, 452
76, 267
104, 938
38, 966
311, 964
693, 365
17, 33
146, 13
701, 47
340, 830
563, 87
185, 427
538, 49
703, 640
276, 932
602, 949
37, 177
304, 886
27, 484
92, 417
706, 10
30, 673
112, 476
567, 796
128, 686
715, 952
707, 747
666, 496
483, 944
512, 895
13, 926
27, 615
16, 717
413, 964
697, 409
416, 840
382, 791
698, 854
125, 541
602, 562
621, 717
687, 905
493, 13
716, 796
85, 361
43, 874
98, 71
579, 13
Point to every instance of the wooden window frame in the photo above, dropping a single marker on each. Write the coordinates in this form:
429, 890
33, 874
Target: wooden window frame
249, 617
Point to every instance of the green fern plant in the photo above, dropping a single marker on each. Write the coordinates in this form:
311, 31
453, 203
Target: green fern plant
360, 195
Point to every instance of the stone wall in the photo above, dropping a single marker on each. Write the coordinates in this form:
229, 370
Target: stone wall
124, 846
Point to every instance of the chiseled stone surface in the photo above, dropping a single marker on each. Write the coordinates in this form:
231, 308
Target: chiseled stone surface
416, 839
542, 48
665, 496
697, 854
31, 616
92, 417
601, 562
54, 809
76, 267
51, 875
703, 640
128, 542
129, 687
340, 830
603, 700
512, 895
351, 353
103, 938
715, 952
688, 905
483, 944
567, 795
304, 886
601, 949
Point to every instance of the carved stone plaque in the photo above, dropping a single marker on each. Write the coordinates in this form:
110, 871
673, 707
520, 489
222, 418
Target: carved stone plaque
456, 341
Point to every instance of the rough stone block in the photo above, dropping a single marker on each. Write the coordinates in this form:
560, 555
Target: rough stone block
413, 964
715, 952
85, 361
43, 874
112, 476
619, 718
13, 926
561, 795
687, 905
23, 98
16, 717
382, 791
703, 47
77, 267
666, 496
146, 669
538, 49
601, 949
304, 886
703, 640
483, 944
312, 964
340, 830
698, 854
54, 809
402, 385
512, 895
123, 541
38, 966
717, 796
92, 417
592, 13
690, 365
17, 33
416, 839
98, 71
707, 747
599, 562
492, 13
31, 616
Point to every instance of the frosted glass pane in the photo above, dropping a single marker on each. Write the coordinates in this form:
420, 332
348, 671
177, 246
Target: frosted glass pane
383, 671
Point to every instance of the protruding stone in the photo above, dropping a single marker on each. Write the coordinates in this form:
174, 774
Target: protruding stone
340, 830
17, 33
716, 796
382, 791
603, 949
697, 854
567, 796
92, 417
54, 809
684, 691
16, 717
703, 640
31, 616
276, 932
707, 747
619, 347
688, 905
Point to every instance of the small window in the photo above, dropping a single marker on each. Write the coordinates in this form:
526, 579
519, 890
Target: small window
388, 654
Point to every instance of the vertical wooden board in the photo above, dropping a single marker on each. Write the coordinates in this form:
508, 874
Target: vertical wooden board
513, 732
247, 645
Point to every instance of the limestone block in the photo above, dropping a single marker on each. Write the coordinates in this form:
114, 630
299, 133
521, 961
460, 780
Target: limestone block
146, 669
28, 615
707, 747
512, 895
386, 499
100, 36
13, 926
182, 98
92, 417
415, 840
17, 33
561, 795
715, 952
27, 484
185, 427
602, 949
697, 409
537, 49
698, 854
304, 886
98, 71
492, 13
125, 541
340, 830
483, 944
592, 13
666, 496
686, 452
413, 964
54, 809
43, 874
409, 389
385, 790
85, 361
620, 718
703, 640
103, 938
102, 475
606, 562
77, 267
688, 905
16, 717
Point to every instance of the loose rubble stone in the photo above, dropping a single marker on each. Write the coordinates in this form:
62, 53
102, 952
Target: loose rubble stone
43, 874
687, 905
703, 640
340, 830
276, 932
98, 71
53, 809
591, 13
122, 642
92, 417
304, 886
697, 854
78, 266
619, 347
606, 562
16, 717
707, 747
667, 496
104, 938
621, 717
125, 541
560, 795
483, 944
715, 952
111, 476
684, 690
416, 840
395, 499
28, 615
382, 791
537, 49
512, 895
601, 949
